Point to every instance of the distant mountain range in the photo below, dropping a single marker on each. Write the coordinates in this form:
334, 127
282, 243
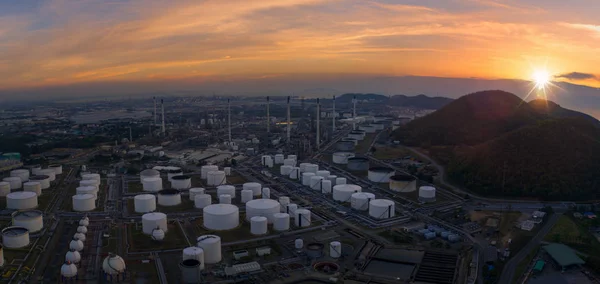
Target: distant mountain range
496, 144
419, 101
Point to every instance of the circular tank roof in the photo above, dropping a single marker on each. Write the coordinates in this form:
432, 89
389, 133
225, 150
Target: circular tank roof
26, 214
54, 166
363, 195
315, 246
144, 196
381, 169
193, 250
83, 196
358, 159
14, 231
31, 183
402, 177
347, 187
175, 171
381, 202
190, 262
208, 239
21, 195
154, 216
150, 172
262, 203
258, 219
39, 177
181, 177
169, 191
220, 209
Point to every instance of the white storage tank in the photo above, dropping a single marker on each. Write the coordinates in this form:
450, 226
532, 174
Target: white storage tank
254, 186
302, 218
293, 157
195, 191
266, 193
43, 180
79, 236
113, 265
294, 173
258, 225
315, 182
204, 170
33, 186
298, 244
202, 200
302, 167
221, 217
382, 208
36, 169
211, 245
4, 188
152, 184
224, 199
15, 182
264, 160
262, 207
50, 173
285, 170
227, 171
326, 187
291, 208
95, 177
84, 202
246, 195
149, 173
341, 158
403, 183
290, 162
82, 229
169, 197
172, 173
312, 168
32, 220
343, 192
181, 182
283, 201
335, 249
226, 189
158, 234
340, 181
85, 221
73, 256
87, 190
323, 173
360, 200
306, 177
21, 173
216, 178
151, 221
380, 174
281, 221
194, 253
427, 194
69, 270
279, 159
15, 237
88, 182
144, 203
21, 200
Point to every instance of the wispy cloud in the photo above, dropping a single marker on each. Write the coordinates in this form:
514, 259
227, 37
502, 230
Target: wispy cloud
576, 76
587, 27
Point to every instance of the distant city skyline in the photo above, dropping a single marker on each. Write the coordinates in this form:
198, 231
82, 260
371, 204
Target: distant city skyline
60, 43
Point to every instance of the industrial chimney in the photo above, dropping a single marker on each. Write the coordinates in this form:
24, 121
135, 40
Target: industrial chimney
154, 111
229, 119
162, 106
354, 113
318, 123
333, 114
268, 117
288, 120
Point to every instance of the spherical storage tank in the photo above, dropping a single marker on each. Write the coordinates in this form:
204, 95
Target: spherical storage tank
152, 184
221, 217
380, 174
181, 182
216, 178
15, 237
85, 221
79, 236
195, 191
302, 218
403, 183
427, 194
151, 221
73, 256
345, 146
43, 180
113, 265
258, 225
211, 244
202, 200
32, 220
281, 221
360, 200
204, 170
21, 200
21, 173
33, 186
158, 234
262, 207
341, 157
335, 249
4, 188
382, 208
84, 202
306, 178
144, 203
50, 173
69, 269
226, 189
194, 253
254, 186
343, 192
15, 182
57, 168
82, 229
169, 197
358, 164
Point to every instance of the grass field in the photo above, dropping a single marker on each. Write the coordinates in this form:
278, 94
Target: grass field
522, 266
565, 231
386, 153
134, 187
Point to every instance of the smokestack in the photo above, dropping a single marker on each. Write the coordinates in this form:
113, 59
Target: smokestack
162, 106
130, 136
154, 111
288, 120
333, 114
229, 119
354, 113
318, 123
268, 117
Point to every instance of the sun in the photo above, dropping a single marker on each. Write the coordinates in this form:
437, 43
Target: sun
541, 78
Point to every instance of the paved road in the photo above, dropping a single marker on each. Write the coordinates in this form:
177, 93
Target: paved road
510, 267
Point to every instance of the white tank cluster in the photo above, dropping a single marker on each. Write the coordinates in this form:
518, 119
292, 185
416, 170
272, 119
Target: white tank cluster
23, 174
15, 182
262, 207
202, 200
279, 159
144, 203
216, 178
343, 192
403, 183
21, 200
341, 157
204, 170
323, 173
360, 200
380, 174
285, 170
152, 184
289, 162
43, 180
246, 195
211, 245
32, 220
335, 249
84, 202
291, 208
302, 218
294, 173
226, 189
427, 194
258, 225
4, 188
113, 265
194, 253
169, 197
221, 217
267, 161
181, 182
195, 191
225, 199
254, 186
311, 168
33, 186
281, 221
15, 237
382, 208
151, 221
306, 178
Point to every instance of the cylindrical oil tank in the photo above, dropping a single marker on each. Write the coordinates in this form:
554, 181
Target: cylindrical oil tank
281, 221
262, 207
360, 200
294, 173
306, 177
382, 208
33, 186
95, 177
341, 157
298, 244
15, 182
224, 199
42, 179
283, 201
332, 178
211, 244
84, 202
285, 170
293, 157
279, 159
353, 140
312, 168
88, 182
359, 136
266, 193
221, 217
246, 195
73, 256
226, 189
32, 220
258, 225
36, 170
144, 203
380, 174
4, 188
343, 192
152, 184
195, 191
87, 190
172, 173
323, 173
403, 183
427, 194
345, 146
113, 265
264, 160
326, 186
254, 186
227, 171
149, 173
181, 182
15, 237
50, 173
21, 200
335, 249
204, 170
315, 182
302, 167
153, 220
358, 164
169, 197
76, 244
194, 253
289, 162
302, 218
216, 178
367, 128
202, 200
291, 208
21, 173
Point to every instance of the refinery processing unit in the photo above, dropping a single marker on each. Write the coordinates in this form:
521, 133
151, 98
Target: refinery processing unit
266, 197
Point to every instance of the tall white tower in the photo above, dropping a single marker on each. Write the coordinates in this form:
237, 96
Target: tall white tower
154, 111
162, 106
268, 117
229, 119
288, 120
354, 113
333, 114
318, 123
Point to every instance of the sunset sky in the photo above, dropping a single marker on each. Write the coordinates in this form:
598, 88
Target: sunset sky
56, 42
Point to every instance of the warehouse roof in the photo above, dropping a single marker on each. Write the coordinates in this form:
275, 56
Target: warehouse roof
563, 255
